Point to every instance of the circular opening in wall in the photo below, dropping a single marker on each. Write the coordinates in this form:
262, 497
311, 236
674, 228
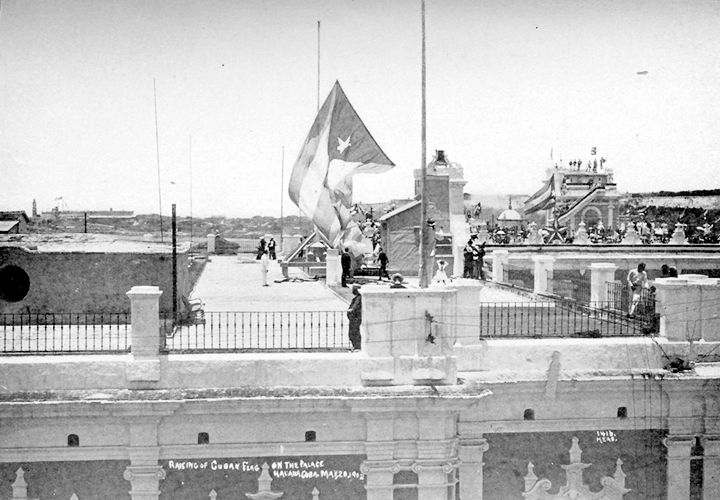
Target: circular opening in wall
14, 283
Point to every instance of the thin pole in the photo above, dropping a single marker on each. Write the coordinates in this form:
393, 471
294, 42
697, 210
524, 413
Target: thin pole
191, 188
423, 271
282, 197
157, 154
174, 264
318, 75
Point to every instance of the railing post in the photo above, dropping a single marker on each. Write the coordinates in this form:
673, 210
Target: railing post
500, 262
601, 274
145, 324
334, 269
543, 265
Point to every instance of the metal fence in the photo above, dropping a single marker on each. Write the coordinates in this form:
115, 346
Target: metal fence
64, 333
560, 319
245, 331
620, 296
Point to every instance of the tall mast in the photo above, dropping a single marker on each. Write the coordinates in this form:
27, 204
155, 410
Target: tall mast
423, 271
157, 154
282, 197
191, 187
318, 68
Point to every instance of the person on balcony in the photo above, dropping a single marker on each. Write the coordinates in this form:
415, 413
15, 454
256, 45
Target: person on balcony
637, 281
354, 314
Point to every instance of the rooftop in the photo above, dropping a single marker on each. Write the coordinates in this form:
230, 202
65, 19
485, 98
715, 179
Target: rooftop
88, 243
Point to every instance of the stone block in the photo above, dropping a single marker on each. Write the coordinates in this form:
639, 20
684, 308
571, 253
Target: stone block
143, 370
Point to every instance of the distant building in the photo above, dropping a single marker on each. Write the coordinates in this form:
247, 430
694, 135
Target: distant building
400, 230
14, 222
588, 195
94, 215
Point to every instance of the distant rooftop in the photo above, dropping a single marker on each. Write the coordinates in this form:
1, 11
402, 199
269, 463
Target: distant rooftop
90, 243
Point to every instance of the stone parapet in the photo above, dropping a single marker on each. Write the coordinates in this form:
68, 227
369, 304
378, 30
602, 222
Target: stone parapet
688, 307
409, 336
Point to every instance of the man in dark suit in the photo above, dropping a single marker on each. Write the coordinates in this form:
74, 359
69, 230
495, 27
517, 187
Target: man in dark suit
346, 263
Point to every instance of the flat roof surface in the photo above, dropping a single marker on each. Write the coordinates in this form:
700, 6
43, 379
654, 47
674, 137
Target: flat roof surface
89, 243
234, 283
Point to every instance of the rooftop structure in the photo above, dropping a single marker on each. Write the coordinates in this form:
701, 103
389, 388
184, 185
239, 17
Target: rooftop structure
465, 391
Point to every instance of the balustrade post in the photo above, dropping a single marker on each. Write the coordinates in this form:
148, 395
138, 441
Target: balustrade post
145, 324
543, 265
600, 275
500, 262
334, 268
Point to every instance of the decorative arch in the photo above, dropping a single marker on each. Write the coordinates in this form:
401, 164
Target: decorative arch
591, 216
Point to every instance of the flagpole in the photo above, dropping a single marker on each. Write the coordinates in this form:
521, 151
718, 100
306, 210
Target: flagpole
157, 154
318, 75
191, 187
423, 271
282, 195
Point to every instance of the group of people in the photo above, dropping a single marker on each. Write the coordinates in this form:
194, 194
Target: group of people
473, 259
265, 252
267, 247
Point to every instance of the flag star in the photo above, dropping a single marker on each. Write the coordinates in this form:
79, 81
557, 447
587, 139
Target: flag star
343, 145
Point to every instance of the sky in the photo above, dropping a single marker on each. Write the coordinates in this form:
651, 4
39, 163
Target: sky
512, 87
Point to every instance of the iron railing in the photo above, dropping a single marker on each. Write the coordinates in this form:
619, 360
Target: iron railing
246, 331
64, 333
620, 296
559, 318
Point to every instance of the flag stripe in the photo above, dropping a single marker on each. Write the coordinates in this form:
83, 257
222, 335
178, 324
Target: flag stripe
544, 198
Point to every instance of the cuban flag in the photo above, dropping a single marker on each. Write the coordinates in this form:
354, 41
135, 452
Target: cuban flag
544, 198
337, 147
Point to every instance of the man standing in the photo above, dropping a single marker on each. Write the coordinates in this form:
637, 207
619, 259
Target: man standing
468, 259
346, 263
354, 314
383, 260
271, 247
637, 280
264, 265
261, 248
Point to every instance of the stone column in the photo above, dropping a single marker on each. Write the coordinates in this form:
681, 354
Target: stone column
678, 466
600, 275
211, 243
380, 466
610, 216
543, 265
144, 473
436, 453
500, 262
471, 468
145, 324
432, 479
334, 267
379, 477
711, 467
